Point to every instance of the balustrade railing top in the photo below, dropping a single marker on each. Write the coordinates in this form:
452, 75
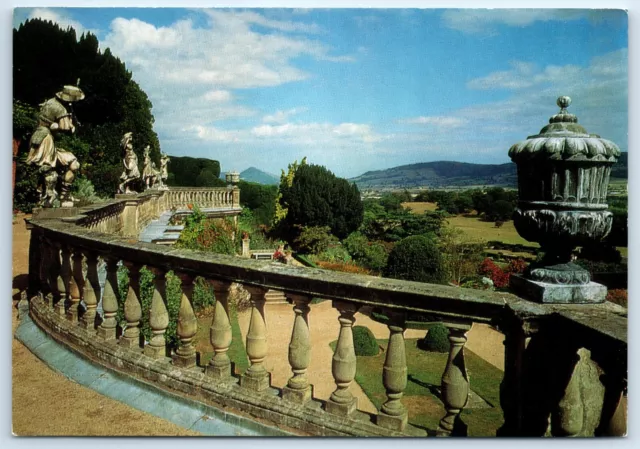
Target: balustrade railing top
535, 335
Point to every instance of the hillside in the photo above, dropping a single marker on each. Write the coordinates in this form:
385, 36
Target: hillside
253, 174
185, 171
439, 174
454, 174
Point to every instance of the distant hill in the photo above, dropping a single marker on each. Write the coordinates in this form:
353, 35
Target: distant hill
455, 174
439, 174
253, 174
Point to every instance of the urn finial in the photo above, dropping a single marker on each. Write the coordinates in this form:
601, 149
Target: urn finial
564, 102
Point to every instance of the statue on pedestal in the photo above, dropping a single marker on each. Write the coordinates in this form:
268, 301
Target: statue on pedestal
130, 161
164, 172
149, 172
57, 165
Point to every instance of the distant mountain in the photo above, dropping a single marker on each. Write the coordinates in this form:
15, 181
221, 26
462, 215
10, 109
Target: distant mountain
439, 174
253, 174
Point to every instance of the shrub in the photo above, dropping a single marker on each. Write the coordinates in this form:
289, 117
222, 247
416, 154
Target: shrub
436, 340
618, 296
335, 254
314, 239
416, 258
364, 341
372, 255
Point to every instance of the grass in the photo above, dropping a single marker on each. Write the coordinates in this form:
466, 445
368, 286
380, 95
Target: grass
424, 371
420, 208
237, 352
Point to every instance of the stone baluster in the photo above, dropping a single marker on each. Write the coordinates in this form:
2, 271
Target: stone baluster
56, 282
45, 265
185, 355
455, 382
65, 277
76, 284
343, 366
393, 414
220, 333
90, 291
132, 308
158, 316
110, 299
298, 389
256, 377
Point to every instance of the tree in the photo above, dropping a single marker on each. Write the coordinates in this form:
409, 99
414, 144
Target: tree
460, 254
316, 197
501, 210
114, 103
416, 258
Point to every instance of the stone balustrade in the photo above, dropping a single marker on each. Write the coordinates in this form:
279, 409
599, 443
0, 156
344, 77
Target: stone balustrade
205, 198
551, 351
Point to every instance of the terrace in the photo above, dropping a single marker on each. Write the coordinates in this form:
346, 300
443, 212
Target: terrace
565, 367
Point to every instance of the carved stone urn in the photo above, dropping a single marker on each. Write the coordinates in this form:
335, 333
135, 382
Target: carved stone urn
232, 178
563, 176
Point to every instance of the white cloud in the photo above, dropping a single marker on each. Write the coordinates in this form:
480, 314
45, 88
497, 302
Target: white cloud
60, 18
519, 76
313, 133
217, 96
438, 121
282, 116
484, 21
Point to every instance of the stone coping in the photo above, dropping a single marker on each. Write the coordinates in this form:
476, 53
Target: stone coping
266, 407
448, 302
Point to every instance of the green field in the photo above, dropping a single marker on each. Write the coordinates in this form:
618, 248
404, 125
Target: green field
477, 229
424, 371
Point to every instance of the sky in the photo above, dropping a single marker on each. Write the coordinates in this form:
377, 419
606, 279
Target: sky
363, 89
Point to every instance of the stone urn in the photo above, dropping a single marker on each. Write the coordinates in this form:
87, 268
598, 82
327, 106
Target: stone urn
232, 178
563, 176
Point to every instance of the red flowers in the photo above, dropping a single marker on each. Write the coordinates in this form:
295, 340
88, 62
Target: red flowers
279, 256
499, 276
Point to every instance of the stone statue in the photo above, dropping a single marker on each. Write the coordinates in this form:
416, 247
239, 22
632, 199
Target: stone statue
130, 161
164, 172
57, 166
149, 172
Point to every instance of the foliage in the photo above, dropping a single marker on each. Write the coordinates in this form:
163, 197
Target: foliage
500, 277
335, 253
416, 258
207, 235
85, 193
501, 210
364, 341
390, 226
371, 255
314, 239
286, 181
461, 254
114, 103
618, 296
184, 171
345, 267
436, 340
260, 199
318, 198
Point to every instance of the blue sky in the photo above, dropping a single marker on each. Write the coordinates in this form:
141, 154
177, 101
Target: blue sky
363, 89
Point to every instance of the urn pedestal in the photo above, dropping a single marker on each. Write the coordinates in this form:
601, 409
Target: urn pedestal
563, 176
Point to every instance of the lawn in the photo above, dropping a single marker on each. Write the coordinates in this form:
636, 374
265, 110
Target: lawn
424, 370
237, 352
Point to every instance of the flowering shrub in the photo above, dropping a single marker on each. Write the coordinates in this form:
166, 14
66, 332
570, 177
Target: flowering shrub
618, 296
349, 267
498, 276
280, 256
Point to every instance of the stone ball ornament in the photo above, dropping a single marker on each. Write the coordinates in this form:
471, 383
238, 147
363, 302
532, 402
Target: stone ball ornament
563, 178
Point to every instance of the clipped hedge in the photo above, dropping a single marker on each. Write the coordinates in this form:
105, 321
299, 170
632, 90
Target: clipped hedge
436, 340
364, 341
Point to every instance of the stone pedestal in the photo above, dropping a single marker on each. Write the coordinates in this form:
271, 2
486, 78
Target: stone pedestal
547, 293
183, 361
257, 382
156, 352
342, 409
298, 396
392, 422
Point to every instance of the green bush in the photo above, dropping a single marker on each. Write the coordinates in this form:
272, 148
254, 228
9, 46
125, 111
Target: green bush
314, 239
416, 258
335, 254
371, 255
436, 340
364, 341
